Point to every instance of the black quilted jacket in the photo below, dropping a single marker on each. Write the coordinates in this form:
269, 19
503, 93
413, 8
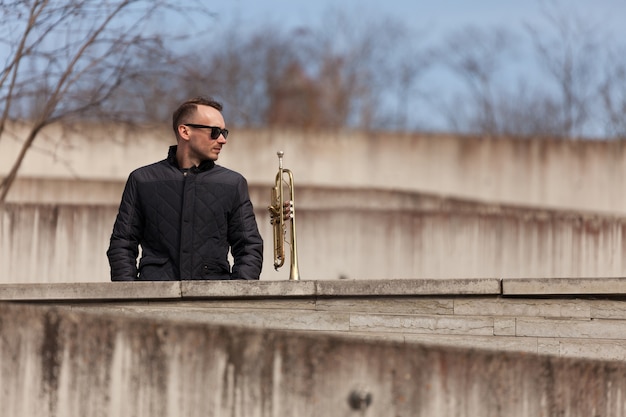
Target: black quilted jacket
185, 224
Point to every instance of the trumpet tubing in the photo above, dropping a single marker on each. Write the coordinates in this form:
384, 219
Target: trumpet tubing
279, 221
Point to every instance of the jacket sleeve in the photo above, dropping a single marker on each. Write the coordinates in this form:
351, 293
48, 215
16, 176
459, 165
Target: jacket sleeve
244, 238
124, 245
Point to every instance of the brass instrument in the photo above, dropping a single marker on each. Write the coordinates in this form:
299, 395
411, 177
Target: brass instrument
279, 218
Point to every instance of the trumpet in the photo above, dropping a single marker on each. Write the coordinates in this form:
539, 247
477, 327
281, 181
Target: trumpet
279, 217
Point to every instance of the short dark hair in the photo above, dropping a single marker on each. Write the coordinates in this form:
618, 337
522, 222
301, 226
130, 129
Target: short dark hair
189, 107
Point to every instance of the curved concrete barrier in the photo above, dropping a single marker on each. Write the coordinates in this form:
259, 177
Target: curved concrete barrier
58, 362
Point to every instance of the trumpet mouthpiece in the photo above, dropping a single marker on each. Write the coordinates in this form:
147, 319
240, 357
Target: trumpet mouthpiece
280, 158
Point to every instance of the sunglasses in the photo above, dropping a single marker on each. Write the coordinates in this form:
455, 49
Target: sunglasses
215, 131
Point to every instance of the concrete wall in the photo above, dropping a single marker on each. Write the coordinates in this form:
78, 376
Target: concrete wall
59, 362
349, 234
396, 206
388, 218
565, 317
577, 175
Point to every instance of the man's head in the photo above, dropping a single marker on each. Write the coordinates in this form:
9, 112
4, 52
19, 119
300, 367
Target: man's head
200, 130
187, 109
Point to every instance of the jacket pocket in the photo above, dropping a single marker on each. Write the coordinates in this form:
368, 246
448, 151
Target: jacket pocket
215, 267
152, 268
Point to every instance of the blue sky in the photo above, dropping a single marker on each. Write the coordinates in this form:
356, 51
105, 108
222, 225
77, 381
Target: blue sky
432, 19
439, 15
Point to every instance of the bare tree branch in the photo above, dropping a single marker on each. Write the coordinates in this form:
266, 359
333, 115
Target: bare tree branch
570, 52
71, 58
476, 55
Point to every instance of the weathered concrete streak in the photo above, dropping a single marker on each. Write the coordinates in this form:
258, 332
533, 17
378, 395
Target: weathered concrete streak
67, 243
59, 363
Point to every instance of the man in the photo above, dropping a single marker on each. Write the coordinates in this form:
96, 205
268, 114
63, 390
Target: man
185, 211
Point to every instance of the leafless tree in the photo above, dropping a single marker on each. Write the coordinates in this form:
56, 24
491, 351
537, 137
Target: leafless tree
67, 59
568, 88
344, 73
570, 49
370, 66
613, 96
527, 112
477, 56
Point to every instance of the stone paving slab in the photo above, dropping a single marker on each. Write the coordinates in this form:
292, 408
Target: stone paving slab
608, 309
563, 286
305, 320
504, 326
387, 304
90, 291
291, 303
548, 346
486, 286
530, 307
591, 329
469, 326
498, 343
610, 349
238, 289
604, 349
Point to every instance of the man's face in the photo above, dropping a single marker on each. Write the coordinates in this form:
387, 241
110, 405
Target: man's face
201, 146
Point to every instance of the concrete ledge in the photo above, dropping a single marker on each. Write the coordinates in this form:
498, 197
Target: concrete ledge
246, 289
389, 287
90, 291
141, 290
564, 286
193, 290
545, 316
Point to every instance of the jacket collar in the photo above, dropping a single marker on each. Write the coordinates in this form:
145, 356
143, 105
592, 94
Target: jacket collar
204, 165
